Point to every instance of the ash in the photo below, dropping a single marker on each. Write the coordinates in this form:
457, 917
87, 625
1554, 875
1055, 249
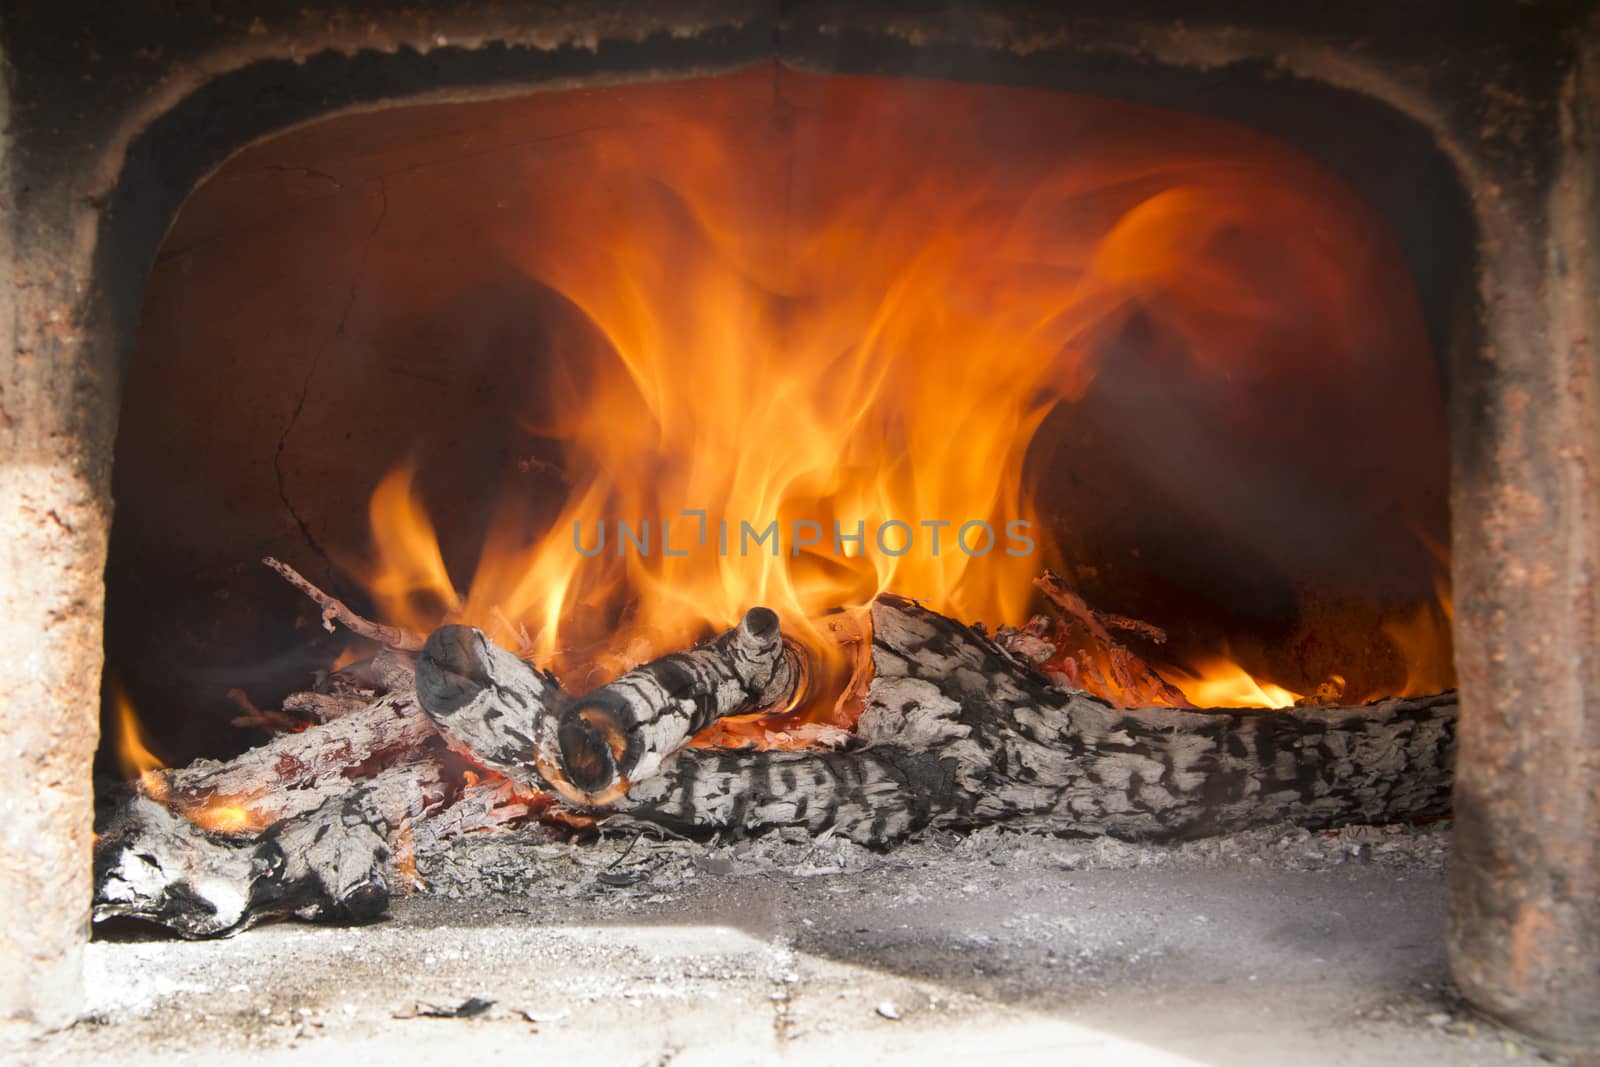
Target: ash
628, 866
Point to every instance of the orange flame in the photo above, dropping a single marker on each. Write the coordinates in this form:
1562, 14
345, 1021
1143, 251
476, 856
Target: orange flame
134, 757
1423, 641
856, 308
1424, 637
137, 762
1222, 683
225, 817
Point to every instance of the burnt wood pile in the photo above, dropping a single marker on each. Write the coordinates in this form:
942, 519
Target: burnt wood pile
430, 740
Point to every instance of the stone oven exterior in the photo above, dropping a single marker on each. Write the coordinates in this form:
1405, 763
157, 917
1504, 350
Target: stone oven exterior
113, 115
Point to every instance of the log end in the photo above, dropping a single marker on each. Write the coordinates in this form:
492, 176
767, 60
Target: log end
594, 746
453, 669
759, 626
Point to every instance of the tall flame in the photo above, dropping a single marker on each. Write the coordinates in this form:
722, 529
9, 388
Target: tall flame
856, 306
1423, 636
134, 757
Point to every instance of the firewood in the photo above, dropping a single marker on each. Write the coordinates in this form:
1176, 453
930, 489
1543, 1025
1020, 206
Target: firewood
324, 707
591, 750
622, 732
295, 772
333, 862
954, 732
490, 705
335, 609
263, 718
956, 735
1131, 679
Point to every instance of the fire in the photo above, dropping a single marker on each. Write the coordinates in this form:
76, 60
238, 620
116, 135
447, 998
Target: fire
1423, 637
1222, 683
1423, 640
137, 763
134, 757
224, 817
846, 314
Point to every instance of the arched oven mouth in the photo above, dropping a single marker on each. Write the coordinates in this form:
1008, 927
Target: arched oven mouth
617, 459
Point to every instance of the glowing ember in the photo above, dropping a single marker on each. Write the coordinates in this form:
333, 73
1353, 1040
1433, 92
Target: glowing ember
839, 325
224, 818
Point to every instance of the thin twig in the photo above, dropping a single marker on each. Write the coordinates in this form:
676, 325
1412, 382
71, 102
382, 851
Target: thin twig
1097, 622
334, 609
267, 719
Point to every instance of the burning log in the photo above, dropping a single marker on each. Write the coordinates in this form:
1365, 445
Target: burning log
370, 720
591, 749
488, 704
295, 773
332, 863
956, 735
624, 731
955, 732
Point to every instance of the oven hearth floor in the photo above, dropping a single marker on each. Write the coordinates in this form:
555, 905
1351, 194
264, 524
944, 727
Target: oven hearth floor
1268, 947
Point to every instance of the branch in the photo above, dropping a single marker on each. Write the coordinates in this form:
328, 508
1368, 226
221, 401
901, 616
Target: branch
334, 609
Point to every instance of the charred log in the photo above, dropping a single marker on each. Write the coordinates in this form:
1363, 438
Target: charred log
956, 735
593, 748
490, 705
624, 731
333, 863
296, 772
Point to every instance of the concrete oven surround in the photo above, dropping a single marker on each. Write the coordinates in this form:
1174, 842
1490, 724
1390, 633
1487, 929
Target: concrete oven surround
113, 113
